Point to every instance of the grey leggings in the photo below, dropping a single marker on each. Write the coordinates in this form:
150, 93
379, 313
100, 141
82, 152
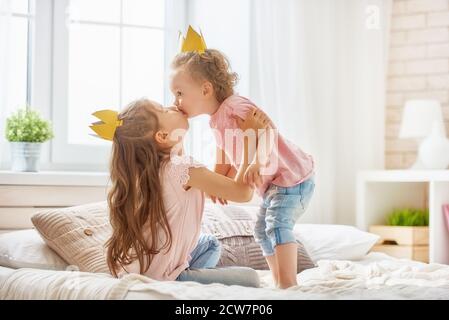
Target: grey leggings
202, 269
240, 276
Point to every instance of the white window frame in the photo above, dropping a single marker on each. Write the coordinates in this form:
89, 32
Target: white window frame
30, 90
30, 47
45, 96
63, 153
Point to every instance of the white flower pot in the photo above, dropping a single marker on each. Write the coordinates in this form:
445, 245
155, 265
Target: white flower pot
25, 156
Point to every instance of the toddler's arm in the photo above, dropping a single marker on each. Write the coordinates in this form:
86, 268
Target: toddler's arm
264, 146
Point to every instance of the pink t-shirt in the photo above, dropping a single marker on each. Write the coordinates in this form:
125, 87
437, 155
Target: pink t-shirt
288, 165
184, 209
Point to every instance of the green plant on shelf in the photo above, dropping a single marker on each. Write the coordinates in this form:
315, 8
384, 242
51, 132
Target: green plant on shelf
408, 217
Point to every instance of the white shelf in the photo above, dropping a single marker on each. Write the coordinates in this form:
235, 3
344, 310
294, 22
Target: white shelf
405, 175
378, 192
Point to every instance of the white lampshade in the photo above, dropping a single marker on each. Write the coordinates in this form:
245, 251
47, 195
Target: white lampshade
419, 118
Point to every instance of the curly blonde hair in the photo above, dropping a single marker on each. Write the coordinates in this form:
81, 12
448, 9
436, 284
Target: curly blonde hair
213, 66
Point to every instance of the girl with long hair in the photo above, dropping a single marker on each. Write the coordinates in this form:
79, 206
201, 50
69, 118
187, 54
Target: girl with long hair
157, 198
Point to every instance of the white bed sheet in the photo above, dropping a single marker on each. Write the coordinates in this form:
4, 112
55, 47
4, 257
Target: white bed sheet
4, 272
377, 276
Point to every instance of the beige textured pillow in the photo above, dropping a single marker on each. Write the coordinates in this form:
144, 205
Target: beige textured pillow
77, 234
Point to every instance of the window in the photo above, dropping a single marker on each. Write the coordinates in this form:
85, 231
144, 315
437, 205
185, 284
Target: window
69, 58
16, 63
107, 53
16, 59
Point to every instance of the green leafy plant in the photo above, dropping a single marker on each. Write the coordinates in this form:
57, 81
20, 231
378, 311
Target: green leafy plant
28, 126
408, 217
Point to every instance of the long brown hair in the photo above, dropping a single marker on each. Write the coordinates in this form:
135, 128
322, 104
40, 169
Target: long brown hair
135, 197
213, 66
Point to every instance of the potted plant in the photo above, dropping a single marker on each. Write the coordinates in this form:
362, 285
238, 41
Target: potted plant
405, 235
26, 130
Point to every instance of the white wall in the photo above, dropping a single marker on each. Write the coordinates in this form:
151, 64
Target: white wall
226, 27
418, 69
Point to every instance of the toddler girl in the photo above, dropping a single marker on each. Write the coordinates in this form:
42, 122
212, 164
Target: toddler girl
203, 83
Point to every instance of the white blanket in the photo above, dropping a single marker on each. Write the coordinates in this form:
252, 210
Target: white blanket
27, 283
378, 276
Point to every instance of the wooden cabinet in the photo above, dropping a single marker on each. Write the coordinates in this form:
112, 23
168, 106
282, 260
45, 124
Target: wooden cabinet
378, 192
402, 242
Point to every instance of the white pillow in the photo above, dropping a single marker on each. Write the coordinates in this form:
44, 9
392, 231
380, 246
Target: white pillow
26, 249
334, 242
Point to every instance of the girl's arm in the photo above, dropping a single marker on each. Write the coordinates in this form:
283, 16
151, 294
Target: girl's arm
232, 172
222, 166
220, 186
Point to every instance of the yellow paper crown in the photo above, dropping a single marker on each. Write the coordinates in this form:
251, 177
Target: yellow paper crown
109, 122
193, 41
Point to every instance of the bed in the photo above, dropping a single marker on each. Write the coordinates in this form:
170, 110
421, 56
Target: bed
343, 268
377, 276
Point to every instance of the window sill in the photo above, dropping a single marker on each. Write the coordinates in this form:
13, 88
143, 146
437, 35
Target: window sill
54, 178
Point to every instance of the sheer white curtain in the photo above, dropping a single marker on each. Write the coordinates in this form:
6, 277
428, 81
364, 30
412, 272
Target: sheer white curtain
175, 21
318, 68
225, 26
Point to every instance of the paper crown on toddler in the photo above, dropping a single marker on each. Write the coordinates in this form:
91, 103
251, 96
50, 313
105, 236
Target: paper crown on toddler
105, 128
193, 41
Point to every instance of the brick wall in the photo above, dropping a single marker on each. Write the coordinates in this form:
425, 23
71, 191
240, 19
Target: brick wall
418, 69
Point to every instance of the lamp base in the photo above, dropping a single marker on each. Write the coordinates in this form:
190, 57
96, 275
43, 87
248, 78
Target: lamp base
418, 165
434, 150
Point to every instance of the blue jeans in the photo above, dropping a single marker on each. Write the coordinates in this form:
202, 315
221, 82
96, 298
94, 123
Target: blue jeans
281, 208
206, 253
202, 269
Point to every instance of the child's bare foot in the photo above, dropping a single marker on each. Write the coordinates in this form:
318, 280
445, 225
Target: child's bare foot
287, 285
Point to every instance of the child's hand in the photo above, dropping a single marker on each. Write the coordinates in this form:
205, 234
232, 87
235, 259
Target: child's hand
255, 119
222, 201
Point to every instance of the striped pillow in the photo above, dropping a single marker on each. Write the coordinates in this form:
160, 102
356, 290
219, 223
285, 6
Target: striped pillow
233, 226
